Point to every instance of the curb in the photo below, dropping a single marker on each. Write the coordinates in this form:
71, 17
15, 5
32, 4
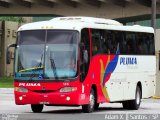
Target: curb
156, 97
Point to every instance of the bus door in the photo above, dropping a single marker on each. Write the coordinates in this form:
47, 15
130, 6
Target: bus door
84, 54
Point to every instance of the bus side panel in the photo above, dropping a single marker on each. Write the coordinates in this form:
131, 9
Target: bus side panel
133, 69
101, 67
116, 76
149, 81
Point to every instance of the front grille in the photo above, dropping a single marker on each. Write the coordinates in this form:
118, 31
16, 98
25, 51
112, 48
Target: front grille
44, 91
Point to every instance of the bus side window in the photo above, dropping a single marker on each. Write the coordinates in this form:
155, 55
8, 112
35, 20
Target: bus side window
130, 39
145, 44
96, 37
113, 42
118, 38
107, 42
144, 47
122, 43
151, 44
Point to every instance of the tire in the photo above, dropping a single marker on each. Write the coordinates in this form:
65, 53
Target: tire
96, 106
125, 105
134, 104
90, 107
37, 108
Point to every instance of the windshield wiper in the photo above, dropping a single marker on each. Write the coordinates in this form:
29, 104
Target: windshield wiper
38, 66
31, 69
53, 67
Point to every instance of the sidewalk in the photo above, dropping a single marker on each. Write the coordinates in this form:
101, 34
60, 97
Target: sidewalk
6, 90
156, 97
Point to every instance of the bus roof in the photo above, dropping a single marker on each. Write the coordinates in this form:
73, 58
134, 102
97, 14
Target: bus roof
78, 23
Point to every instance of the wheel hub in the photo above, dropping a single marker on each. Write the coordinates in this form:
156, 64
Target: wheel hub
91, 101
138, 98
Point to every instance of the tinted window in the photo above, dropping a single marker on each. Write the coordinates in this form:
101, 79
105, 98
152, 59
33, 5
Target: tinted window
107, 41
145, 44
138, 43
126, 43
96, 41
130, 43
62, 37
31, 37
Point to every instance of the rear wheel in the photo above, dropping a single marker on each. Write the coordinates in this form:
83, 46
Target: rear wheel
37, 108
134, 104
125, 104
90, 107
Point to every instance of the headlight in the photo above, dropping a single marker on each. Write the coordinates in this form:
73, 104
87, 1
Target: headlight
68, 89
20, 89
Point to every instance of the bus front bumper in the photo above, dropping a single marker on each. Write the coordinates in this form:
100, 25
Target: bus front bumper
52, 98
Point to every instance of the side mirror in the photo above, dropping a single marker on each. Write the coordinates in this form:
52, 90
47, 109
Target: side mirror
84, 53
85, 56
8, 56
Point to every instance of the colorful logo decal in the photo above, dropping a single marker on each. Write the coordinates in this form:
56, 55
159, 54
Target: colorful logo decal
106, 72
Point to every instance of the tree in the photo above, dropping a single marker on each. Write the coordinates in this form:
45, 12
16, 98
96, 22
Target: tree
12, 18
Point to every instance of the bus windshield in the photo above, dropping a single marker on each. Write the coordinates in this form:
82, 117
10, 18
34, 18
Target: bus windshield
46, 54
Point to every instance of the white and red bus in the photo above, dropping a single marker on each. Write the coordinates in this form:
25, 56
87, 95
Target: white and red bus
83, 61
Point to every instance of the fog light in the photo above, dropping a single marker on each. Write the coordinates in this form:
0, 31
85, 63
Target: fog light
68, 98
20, 98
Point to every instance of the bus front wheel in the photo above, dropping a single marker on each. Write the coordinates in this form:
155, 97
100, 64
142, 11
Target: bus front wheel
90, 107
37, 108
96, 106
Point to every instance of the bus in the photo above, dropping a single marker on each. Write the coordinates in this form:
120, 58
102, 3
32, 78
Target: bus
83, 61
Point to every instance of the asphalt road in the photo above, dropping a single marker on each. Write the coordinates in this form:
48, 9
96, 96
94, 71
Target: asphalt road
23, 112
